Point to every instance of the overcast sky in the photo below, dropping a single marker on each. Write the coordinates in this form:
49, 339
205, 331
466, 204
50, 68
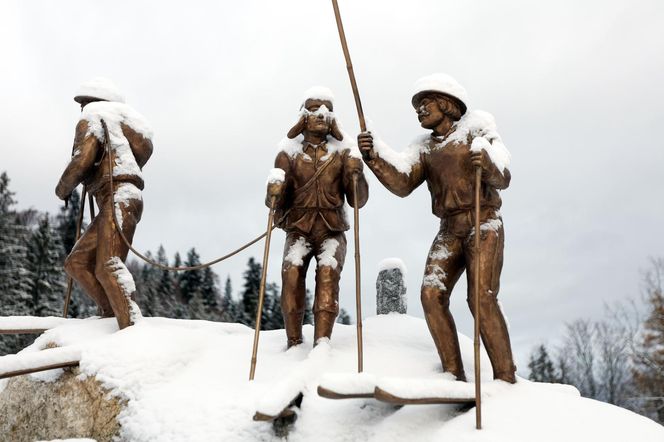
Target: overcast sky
576, 89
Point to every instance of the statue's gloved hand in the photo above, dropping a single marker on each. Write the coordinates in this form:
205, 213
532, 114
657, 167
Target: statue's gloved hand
275, 188
480, 159
365, 144
61, 192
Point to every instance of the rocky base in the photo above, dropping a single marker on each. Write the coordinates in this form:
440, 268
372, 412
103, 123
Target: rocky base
66, 408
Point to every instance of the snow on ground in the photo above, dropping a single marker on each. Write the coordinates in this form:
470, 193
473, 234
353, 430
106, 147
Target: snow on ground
188, 381
31, 322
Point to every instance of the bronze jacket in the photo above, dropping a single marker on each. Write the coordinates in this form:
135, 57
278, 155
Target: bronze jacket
89, 164
449, 174
304, 199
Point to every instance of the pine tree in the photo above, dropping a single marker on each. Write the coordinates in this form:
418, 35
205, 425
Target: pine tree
229, 309
165, 301
15, 298
541, 366
44, 252
273, 318
308, 309
67, 220
210, 292
179, 307
249, 301
191, 281
344, 317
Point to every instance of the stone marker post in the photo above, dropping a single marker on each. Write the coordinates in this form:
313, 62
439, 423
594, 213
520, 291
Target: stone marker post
391, 287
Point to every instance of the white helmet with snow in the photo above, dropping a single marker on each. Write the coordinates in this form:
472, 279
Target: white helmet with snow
99, 89
440, 83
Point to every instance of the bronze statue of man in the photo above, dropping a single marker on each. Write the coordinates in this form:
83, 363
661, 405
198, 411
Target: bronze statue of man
313, 174
446, 159
96, 261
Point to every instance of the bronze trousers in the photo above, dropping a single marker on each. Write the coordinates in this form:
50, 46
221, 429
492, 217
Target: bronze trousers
329, 249
90, 261
451, 253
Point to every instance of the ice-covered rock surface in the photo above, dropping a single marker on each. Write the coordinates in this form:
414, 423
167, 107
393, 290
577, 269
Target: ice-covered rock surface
188, 381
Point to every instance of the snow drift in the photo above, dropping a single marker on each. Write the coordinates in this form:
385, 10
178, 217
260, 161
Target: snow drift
188, 381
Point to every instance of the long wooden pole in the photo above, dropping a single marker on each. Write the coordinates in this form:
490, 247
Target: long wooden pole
358, 279
349, 66
356, 213
478, 387
79, 223
261, 290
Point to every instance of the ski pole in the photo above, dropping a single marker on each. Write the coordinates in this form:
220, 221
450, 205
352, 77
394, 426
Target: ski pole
261, 289
349, 66
79, 223
358, 292
476, 342
363, 128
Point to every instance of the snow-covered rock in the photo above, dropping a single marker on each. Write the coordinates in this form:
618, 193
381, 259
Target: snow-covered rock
391, 287
188, 381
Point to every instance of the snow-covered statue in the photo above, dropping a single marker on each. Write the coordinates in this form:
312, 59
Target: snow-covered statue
313, 174
446, 159
97, 260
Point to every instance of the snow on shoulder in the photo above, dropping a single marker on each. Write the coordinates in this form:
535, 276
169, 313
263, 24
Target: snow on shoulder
114, 113
481, 126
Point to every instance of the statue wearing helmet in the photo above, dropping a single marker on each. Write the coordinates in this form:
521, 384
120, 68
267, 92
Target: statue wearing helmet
446, 160
96, 261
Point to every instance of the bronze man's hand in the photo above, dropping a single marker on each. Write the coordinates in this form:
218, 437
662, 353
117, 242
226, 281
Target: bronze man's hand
480, 159
275, 188
62, 193
365, 143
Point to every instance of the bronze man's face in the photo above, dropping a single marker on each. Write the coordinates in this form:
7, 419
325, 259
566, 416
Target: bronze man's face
318, 119
429, 113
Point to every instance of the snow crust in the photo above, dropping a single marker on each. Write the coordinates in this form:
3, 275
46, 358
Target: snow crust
188, 381
297, 252
440, 82
276, 175
392, 263
101, 88
123, 194
326, 256
127, 284
32, 322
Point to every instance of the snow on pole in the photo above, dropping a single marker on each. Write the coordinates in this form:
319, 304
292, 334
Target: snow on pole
391, 287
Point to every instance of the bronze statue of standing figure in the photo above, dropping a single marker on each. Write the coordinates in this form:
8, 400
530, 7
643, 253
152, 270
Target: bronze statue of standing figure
313, 174
96, 261
446, 159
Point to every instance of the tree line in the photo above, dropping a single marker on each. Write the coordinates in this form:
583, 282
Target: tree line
33, 246
618, 359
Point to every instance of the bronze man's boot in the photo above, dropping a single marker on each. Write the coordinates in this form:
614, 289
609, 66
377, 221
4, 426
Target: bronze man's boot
293, 325
323, 324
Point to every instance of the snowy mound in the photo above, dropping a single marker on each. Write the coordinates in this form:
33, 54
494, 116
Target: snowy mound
188, 381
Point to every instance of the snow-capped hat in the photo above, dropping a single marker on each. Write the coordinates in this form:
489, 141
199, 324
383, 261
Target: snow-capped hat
442, 84
99, 88
319, 93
